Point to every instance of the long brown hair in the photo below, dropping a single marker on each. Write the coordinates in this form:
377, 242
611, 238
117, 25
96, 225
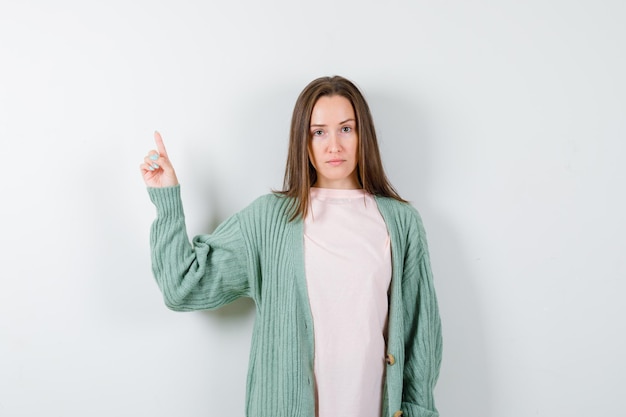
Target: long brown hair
300, 175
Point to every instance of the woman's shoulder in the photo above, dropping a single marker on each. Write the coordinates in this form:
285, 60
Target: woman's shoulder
403, 220
268, 205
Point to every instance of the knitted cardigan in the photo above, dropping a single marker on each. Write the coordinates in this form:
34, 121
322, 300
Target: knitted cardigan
258, 253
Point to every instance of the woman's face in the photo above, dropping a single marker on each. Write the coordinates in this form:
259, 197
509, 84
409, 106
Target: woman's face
333, 148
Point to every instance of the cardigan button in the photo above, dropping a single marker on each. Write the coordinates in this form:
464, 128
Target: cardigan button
390, 359
398, 413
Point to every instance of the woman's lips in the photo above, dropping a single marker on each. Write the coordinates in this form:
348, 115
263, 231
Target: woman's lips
335, 162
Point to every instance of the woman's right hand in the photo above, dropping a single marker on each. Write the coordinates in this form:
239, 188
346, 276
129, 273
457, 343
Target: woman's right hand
157, 170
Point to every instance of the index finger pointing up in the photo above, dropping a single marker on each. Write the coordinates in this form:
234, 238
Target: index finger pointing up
159, 143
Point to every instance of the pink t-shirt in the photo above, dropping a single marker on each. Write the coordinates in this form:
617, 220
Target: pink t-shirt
348, 271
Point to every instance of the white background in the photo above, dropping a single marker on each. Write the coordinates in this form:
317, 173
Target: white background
504, 122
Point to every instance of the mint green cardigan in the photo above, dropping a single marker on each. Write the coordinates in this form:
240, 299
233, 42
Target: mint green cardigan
258, 253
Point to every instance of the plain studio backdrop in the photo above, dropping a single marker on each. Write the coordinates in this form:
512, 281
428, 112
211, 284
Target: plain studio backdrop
503, 122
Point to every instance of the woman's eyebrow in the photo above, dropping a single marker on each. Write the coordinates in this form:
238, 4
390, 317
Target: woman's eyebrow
321, 125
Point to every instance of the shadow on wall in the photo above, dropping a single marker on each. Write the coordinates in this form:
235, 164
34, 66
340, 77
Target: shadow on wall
465, 382
408, 140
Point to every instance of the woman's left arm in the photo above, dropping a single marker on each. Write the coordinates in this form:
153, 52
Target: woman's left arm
422, 329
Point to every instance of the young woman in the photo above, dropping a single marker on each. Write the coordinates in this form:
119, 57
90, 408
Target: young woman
337, 263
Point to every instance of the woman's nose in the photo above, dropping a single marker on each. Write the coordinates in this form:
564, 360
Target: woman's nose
333, 143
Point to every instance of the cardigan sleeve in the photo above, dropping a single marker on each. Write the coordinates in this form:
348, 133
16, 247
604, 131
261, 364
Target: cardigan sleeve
422, 328
206, 273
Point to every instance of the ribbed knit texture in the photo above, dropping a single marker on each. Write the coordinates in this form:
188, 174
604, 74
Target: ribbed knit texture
257, 253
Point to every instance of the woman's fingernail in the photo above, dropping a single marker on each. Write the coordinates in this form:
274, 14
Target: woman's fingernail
155, 166
154, 156
150, 168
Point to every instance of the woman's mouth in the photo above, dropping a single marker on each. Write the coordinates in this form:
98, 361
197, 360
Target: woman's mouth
335, 162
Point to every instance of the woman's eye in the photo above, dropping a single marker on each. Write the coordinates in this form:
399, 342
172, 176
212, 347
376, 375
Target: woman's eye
346, 129
318, 133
